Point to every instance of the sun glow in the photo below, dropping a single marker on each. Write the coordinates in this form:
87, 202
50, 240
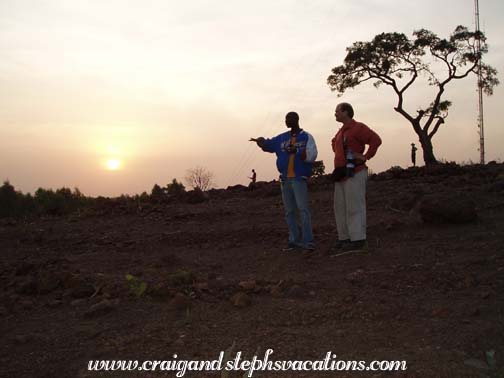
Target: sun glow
113, 164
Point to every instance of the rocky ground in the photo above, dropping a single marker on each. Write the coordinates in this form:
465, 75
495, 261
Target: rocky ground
146, 283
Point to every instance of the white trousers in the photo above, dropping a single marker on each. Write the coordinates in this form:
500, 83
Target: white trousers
350, 207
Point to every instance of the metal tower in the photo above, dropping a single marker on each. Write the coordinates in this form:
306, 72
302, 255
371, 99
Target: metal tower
480, 89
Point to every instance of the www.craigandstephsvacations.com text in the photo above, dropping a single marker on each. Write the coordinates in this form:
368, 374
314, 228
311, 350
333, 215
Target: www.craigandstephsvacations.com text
265, 363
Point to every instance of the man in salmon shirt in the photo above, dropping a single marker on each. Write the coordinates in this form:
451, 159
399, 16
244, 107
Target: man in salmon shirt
350, 175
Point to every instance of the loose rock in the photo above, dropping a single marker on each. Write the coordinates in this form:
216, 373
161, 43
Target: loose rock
241, 300
444, 208
99, 309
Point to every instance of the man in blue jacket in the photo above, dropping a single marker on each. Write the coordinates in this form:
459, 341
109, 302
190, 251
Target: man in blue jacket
296, 151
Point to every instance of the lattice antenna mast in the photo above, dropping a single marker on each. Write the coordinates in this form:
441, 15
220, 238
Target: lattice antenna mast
480, 89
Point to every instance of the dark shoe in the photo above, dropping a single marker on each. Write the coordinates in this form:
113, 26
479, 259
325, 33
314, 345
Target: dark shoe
292, 246
309, 246
338, 246
356, 246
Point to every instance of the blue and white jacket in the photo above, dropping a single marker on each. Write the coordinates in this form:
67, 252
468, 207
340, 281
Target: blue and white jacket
306, 153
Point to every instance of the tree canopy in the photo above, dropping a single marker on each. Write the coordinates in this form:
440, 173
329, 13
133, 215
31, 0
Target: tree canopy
397, 61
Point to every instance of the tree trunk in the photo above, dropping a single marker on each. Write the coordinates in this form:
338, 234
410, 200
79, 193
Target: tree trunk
428, 151
423, 137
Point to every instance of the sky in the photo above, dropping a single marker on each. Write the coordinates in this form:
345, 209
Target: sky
114, 96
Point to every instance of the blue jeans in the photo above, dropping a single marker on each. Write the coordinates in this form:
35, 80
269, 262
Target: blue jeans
295, 198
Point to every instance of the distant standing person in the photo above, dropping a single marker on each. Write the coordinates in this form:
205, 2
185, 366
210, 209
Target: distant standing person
296, 151
413, 154
350, 174
253, 178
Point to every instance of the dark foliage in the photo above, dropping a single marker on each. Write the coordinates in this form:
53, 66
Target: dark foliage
318, 168
45, 201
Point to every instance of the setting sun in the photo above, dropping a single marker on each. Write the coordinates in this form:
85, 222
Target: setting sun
113, 164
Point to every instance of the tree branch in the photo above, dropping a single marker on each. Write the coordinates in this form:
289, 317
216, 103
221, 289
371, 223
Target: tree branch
435, 105
399, 109
472, 69
439, 122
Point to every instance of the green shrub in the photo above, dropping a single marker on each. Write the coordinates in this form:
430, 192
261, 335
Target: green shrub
59, 202
175, 188
318, 168
136, 285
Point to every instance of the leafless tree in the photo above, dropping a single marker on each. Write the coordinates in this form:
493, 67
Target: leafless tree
199, 178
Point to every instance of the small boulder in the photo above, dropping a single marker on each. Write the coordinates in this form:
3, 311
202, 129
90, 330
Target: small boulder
295, 291
101, 308
241, 300
82, 290
237, 188
404, 201
196, 196
276, 290
357, 277
248, 285
180, 302
447, 208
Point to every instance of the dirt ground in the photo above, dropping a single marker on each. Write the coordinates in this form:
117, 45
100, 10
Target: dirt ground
205, 276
